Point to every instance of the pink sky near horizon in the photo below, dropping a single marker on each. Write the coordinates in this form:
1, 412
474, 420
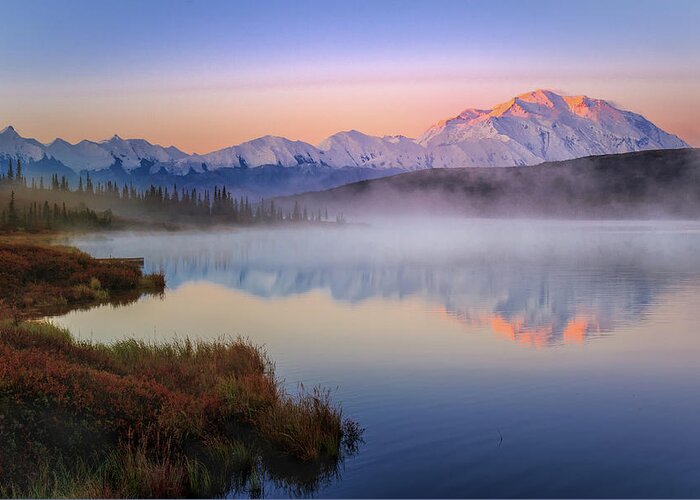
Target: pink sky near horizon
210, 118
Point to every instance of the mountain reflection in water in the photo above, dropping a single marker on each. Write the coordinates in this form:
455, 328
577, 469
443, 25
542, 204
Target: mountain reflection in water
535, 283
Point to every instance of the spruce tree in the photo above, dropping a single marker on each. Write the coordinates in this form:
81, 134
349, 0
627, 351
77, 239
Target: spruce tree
12, 218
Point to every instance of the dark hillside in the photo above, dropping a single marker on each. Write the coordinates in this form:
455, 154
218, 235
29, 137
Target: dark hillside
649, 184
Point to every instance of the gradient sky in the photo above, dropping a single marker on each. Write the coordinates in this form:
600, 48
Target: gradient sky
206, 75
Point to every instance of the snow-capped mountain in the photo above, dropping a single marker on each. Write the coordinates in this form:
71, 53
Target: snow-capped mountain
267, 150
88, 155
356, 149
344, 149
528, 129
14, 145
541, 126
129, 154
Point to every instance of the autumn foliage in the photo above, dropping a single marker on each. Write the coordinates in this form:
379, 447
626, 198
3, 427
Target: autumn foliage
152, 405
34, 277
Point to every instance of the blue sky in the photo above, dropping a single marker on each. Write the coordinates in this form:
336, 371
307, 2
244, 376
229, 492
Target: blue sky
234, 70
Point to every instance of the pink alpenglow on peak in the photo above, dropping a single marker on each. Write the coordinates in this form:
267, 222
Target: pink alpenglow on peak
541, 126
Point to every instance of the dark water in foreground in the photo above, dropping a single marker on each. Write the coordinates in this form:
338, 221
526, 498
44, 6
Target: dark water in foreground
484, 358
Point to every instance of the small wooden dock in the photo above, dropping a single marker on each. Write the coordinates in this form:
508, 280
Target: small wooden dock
133, 261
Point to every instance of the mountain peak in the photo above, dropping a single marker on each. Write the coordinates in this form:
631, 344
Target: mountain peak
471, 113
9, 130
354, 133
59, 141
539, 94
269, 138
576, 104
542, 125
537, 101
114, 138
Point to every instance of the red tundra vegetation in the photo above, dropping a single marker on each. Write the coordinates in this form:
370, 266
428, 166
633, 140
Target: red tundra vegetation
36, 278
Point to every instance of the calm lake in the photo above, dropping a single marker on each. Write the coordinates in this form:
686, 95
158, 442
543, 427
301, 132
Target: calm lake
483, 358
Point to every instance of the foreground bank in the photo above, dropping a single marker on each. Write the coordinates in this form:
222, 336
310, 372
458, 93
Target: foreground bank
132, 419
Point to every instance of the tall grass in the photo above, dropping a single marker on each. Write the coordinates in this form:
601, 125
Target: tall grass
153, 420
134, 472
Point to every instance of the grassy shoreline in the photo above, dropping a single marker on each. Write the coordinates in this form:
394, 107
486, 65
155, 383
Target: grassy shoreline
184, 419
37, 278
131, 419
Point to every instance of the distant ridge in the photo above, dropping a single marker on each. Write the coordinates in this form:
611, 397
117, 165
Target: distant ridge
646, 184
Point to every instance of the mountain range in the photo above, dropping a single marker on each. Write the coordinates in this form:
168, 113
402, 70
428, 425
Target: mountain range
528, 129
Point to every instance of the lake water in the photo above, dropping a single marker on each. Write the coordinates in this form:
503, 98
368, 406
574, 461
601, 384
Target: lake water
483, 358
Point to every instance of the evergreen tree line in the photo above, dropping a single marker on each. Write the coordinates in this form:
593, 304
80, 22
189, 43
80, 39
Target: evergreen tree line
217, 206
36, 216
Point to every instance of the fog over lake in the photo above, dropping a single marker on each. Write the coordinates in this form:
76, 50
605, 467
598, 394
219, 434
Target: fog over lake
527, 358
